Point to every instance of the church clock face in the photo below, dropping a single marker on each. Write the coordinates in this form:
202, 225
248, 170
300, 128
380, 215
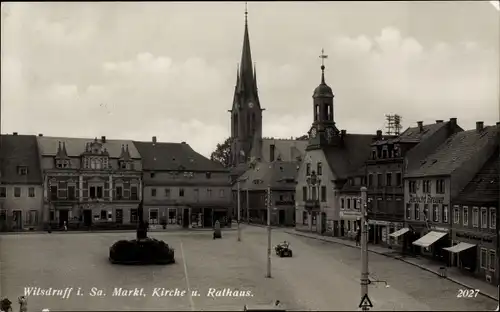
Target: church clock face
313, 132
250, 105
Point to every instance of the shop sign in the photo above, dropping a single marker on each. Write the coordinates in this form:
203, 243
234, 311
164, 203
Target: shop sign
439, 229
426, 199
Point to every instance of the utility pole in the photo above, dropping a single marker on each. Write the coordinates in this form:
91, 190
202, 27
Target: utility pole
364, 246
239, 212
268, 202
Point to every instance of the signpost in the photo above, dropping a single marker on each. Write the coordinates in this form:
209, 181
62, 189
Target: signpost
365, 301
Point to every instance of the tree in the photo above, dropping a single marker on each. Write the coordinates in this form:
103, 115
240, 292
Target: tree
222, 153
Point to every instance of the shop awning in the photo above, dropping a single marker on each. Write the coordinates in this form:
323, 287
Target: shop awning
459, 247
399, 232
429, 239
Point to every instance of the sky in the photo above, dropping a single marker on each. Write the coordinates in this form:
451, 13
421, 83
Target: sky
133, 70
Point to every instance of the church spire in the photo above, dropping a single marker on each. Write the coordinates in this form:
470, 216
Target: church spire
246, 70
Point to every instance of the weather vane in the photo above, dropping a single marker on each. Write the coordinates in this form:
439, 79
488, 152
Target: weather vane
323, 57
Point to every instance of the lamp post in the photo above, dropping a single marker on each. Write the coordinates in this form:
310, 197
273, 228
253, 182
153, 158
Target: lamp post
268, 202
239, 211
364, 247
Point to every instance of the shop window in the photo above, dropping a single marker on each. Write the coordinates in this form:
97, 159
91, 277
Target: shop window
134, 215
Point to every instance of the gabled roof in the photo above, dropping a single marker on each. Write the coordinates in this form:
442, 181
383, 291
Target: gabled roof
20, 150
284, 150
75, 147
174, 157
415, 134
485, 187
454, 152
346, 159
276, 174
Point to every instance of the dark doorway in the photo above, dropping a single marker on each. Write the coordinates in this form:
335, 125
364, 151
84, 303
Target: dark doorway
87, 217
220, 216
119, 216
18, 220
207, 218
281, 217
342, 228
63, 216
323, 222
185, 218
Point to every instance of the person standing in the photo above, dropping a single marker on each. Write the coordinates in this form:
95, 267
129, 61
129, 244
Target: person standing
358, 236
65, 224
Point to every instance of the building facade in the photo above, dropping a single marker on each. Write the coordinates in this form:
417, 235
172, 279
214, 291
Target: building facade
431, 188
350, 204
21, 185
182, 187
389, 160
475, 224
90, 182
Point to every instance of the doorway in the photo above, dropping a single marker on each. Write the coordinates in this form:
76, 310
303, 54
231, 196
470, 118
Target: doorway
63, 216
342, 228
119, 216
172, 215
323, 223
281, 217
18, 219
185, 218
207, 218
87, 217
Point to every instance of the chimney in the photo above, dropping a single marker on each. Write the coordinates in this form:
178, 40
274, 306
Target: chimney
479, 125
40, 134
183, 142
103, 139
379, 134
14, 133
439, 121
498, 123
420, 125
272, 149
154, 140
453, 122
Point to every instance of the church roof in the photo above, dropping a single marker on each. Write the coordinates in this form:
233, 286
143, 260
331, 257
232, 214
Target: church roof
174, 157
277, 175
347, 158
75, 147
19, 151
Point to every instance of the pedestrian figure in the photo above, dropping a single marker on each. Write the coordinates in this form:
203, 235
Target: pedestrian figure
65, 226
5, 305
358, 237
23, 304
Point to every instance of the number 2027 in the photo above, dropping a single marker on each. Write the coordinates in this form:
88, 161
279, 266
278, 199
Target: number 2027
467, 293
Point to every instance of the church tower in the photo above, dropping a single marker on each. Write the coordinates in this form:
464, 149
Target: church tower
246, 112
323, 131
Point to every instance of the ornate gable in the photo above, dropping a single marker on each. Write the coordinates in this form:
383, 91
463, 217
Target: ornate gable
95, 156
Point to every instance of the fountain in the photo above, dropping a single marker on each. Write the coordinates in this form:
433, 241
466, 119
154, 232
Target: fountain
142, 250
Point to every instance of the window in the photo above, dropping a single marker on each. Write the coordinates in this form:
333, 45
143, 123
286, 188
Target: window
493, 218
32, 217
308, 169
181, 192
323, 193
342, 203
53, 192
437, 213
92, 192
304, 193
388, 179
412, 187
134, 215
3, 215
31, 192
314, 195
417, 212
167, 192
475, 216
370, 179
456, 214
445, 213
22, 170
465, 216
320, 169
408, 211
484, 257
440, 186
100, 192
355, 203
484, 218
209, 193
374, 154
208, 175
104, 214
221, 193
380, 181
3, 192
492, 260
384, 153
305, 217
348, 203
426, 185
313, 218
119, 192
153, 192
17, 192
398, 179
134, 193
71, 192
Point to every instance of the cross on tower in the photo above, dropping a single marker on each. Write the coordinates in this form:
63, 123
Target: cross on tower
323, 57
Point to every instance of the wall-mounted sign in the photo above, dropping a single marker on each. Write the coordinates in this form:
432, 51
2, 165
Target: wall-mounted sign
426, 199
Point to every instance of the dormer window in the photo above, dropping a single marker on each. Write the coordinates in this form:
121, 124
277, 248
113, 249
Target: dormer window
22, 170
62, 164
208, 175
374, 154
